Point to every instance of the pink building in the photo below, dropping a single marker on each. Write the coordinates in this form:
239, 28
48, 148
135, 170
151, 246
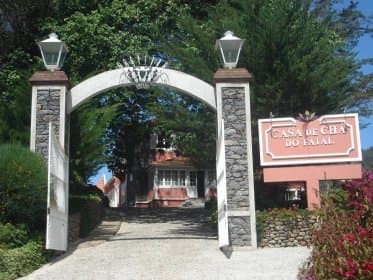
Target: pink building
171, 181
114, 190
174, 180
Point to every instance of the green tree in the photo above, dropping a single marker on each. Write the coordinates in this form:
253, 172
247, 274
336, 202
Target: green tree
299, 53
98, 37
368, 159
15, 97
87, 150
292, 55
191, 123
23, 186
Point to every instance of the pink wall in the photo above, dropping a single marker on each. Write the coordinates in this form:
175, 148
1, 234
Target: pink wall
312, 174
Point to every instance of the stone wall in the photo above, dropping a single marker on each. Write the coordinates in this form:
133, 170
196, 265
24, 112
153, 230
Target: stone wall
287, 232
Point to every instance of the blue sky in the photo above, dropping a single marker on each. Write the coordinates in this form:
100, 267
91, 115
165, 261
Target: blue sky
364, 50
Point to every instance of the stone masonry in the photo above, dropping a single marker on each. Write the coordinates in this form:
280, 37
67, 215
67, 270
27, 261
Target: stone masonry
235, 147
234, 115
288, 232
47, 109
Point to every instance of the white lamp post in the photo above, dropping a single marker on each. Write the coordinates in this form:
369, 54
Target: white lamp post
230, 47
53, 52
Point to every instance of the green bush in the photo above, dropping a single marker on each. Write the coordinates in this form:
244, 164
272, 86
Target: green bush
23, 186
12, 236
90, 211
21, 261
343, 245
214, 213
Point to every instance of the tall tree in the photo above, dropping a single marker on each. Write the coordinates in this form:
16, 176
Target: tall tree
299, 52
292, 55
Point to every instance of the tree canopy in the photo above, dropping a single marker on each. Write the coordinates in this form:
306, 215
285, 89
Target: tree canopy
300, 53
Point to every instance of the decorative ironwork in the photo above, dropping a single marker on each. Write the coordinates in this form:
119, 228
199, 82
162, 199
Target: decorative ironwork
307, 116
143, 72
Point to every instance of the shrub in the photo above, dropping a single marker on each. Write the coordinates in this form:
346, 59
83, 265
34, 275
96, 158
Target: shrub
90, 208
12, 236
214, 213
23, 186
20, 261
343, 245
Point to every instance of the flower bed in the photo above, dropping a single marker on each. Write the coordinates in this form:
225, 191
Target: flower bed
343, 245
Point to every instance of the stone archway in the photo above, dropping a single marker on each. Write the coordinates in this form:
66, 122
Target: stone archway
53, 101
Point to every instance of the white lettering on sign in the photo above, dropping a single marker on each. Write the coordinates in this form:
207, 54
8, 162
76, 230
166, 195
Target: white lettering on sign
286, 133
333, 129
310, 136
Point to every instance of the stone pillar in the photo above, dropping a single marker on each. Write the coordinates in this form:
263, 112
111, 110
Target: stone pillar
49, 92
233, 107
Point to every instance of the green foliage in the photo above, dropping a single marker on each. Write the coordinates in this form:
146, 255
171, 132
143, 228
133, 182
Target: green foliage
98, 37
260, 220
368, 159
23, 186
88, 124
19, 21
89, 206
214, 219
343, 245
12, 236
192, 124
15, 101
298, 51
20, 261
101, 35
338, 196
284, 213
292, 55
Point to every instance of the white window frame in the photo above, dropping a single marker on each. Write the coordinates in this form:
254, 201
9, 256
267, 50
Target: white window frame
172, 178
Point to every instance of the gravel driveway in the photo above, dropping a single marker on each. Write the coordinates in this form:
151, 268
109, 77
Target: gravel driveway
170, 244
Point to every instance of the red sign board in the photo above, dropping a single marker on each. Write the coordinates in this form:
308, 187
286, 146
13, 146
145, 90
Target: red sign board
328, 139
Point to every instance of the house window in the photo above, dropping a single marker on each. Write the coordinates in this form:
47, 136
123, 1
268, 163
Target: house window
160, 177
175, 178
193, 178
171, 178
167, 177
182, 178
292, 194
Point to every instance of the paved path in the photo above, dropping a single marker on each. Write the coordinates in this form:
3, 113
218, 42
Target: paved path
169, 244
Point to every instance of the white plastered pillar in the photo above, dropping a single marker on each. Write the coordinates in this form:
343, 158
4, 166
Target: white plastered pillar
49, 96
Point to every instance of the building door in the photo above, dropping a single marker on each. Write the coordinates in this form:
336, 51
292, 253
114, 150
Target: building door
201, 184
